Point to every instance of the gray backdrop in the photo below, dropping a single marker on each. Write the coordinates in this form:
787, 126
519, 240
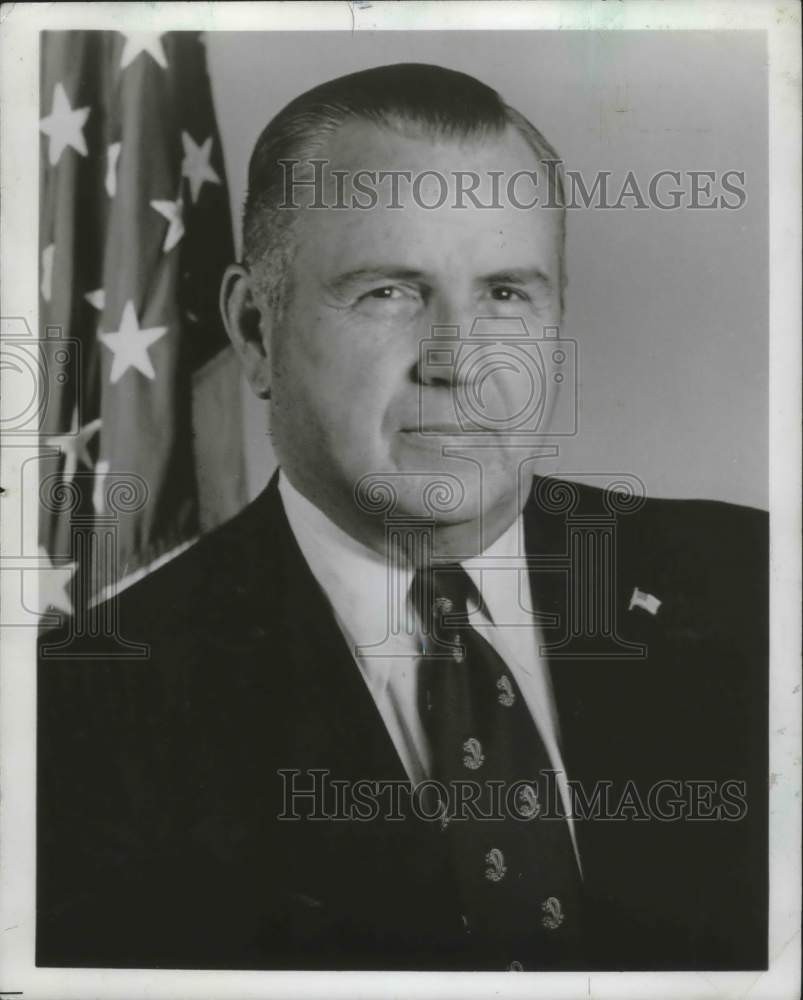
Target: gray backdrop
669, 308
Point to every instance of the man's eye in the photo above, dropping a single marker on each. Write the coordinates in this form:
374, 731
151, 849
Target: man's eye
503, 293
388, 300
386, 292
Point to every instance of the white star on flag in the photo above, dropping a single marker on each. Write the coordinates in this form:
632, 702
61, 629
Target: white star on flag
143, 41
173, 211
112, 156
130, 345
47, 271
97, 299
53, 583
64, 126
74, 445
196, 166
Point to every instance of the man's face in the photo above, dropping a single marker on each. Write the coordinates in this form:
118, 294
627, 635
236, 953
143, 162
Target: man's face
349, 394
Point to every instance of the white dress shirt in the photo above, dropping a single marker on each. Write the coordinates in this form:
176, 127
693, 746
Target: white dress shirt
359, 587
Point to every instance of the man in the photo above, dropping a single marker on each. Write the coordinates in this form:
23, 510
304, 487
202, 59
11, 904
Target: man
406, 608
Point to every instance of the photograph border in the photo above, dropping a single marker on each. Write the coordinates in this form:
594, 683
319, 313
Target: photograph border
20, 25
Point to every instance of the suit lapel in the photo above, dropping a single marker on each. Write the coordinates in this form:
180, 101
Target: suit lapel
593, 694
319, 663
545, 536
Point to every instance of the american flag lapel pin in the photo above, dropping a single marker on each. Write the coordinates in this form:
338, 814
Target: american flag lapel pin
641, 599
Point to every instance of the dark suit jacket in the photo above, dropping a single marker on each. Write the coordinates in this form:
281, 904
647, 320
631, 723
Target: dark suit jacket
158, 792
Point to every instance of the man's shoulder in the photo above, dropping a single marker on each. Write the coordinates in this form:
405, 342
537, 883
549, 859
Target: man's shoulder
706, 561
660, 526
710, 562
209, 588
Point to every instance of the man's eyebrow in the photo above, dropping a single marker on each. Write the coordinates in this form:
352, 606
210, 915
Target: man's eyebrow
519, 276
364, 275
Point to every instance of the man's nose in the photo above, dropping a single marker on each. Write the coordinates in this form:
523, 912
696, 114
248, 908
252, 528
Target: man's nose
447, 325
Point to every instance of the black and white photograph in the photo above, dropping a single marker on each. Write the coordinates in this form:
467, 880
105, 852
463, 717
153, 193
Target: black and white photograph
401, 500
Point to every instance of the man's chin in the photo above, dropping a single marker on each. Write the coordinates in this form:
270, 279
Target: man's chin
437, 495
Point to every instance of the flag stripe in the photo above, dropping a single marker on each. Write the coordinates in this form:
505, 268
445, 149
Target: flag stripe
133, 289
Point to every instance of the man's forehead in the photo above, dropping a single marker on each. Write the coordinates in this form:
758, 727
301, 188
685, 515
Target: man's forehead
426, 196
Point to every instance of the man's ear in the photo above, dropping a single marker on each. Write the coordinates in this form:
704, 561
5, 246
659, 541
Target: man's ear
248, 327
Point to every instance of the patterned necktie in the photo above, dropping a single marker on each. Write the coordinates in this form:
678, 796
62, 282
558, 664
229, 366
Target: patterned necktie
512, 854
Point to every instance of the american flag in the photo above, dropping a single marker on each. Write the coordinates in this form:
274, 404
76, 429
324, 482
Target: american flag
135, 231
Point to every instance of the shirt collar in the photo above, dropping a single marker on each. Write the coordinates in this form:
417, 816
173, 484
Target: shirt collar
495, 573
355, 578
